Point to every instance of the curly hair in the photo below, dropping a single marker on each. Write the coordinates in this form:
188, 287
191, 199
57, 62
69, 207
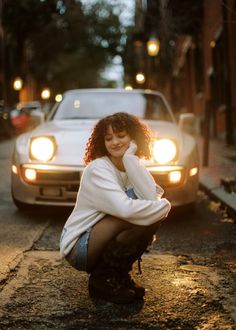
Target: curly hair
120, 121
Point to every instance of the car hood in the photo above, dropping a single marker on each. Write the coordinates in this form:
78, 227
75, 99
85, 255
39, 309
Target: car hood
71, 138
72, 135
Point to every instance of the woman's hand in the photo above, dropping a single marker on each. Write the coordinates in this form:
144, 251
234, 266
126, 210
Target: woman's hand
140, 178
132, 148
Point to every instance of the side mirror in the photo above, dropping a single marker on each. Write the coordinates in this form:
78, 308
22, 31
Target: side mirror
188, 123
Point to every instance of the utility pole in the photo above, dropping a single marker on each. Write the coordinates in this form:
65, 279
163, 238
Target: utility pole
206, 133
226, 67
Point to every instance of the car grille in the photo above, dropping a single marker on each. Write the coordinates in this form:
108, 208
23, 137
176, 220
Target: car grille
58, 176
54, 184
60, 185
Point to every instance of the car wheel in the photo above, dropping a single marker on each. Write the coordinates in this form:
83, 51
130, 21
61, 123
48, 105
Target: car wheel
190, 208
184, 210
20, 205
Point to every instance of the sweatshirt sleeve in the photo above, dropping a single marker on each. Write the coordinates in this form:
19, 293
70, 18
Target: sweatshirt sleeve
109, 198
144, 185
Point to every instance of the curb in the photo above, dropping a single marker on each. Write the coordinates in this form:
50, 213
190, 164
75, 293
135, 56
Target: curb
218, 193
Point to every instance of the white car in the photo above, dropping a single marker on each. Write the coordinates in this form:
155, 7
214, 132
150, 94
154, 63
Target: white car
48, 161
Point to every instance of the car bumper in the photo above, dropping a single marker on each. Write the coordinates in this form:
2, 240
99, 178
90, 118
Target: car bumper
54, 185
58, 185
182, 192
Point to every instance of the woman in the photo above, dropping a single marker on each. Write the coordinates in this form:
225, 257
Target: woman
118, 209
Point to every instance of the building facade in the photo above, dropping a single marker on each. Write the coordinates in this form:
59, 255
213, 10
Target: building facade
196, 68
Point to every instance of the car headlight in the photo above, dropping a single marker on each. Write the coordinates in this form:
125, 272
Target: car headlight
42, 148
164, 151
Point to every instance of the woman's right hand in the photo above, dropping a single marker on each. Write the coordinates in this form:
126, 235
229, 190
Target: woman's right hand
132, 148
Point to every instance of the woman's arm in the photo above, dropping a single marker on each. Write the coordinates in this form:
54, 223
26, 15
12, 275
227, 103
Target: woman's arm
144, 185
106, 195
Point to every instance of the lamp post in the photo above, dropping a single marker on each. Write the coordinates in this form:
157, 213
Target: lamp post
153, 48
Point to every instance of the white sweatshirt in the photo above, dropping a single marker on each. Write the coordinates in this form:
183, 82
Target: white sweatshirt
102, 191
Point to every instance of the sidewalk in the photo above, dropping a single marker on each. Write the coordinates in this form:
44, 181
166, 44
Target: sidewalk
218, 178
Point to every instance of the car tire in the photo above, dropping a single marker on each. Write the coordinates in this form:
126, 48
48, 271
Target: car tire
20, 205
189, 208
184, 210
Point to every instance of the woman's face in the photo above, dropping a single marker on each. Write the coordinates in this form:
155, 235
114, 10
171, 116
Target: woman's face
116, 143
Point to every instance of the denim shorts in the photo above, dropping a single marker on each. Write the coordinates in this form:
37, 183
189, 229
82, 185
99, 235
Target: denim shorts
79, 253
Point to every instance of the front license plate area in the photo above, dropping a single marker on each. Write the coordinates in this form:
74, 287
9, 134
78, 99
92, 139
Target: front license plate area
51, 192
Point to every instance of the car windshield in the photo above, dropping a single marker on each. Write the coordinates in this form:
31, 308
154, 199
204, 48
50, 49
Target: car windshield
96, 105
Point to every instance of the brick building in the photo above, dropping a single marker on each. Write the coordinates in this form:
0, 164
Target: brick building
201, 75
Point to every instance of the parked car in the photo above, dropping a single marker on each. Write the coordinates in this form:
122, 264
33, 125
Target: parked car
6, 129
48, 161
26, 116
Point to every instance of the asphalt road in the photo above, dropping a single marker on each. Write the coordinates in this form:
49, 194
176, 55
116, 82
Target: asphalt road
189, 273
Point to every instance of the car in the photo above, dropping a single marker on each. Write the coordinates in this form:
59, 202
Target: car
26, 116
6, 129
47, 162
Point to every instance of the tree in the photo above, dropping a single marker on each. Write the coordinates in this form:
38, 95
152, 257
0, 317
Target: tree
20, 19
63, 43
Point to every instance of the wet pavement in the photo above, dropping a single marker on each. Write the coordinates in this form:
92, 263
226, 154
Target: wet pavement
189, 274
49, 294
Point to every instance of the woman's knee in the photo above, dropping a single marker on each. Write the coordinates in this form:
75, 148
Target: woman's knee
102, 233
112, 224
131, 234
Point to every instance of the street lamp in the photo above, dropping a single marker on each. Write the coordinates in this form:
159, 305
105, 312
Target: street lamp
45, 95
140, 78
17, 84
153, 46
58, 98
128, 87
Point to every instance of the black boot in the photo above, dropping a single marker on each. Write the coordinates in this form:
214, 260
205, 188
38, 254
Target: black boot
136, 254
111, 278
134, 285
107, 285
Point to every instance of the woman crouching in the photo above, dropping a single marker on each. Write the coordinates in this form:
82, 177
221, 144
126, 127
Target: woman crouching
118, 209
